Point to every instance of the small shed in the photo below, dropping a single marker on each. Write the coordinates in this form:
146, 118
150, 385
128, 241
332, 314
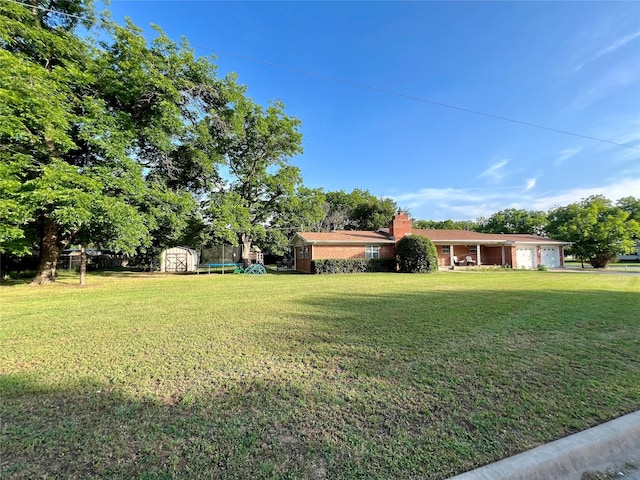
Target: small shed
179, 260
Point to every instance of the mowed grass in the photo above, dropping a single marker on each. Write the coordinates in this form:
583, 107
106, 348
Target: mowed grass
371, 376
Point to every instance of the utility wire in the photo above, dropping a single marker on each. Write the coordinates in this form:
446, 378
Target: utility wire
44, 9
412, 97
371, 87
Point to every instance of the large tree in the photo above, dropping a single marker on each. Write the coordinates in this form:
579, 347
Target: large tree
357, 210
47, 109
598, 229
258, 184
102, 142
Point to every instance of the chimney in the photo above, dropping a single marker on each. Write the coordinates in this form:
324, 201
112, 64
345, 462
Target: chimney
400, 226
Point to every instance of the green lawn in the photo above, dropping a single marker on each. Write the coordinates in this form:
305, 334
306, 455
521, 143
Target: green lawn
294, 376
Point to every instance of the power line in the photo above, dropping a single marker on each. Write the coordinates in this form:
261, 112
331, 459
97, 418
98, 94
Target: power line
373, 88
44, 9
412, 97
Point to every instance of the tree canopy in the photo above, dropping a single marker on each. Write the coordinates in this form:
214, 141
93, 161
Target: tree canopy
357, 210
111, 140
258, 187
631, 205
598, 229
513, 220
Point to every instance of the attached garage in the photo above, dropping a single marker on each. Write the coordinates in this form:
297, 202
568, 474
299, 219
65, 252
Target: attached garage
550, 257
526, 257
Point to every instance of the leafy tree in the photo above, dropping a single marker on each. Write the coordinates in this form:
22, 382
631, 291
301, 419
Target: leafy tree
307, 209
416, 255
372, 214
599, 230
304, 213
259, 185
513, 220
337, 210
47, 109
101, 141
630, 205
358, 210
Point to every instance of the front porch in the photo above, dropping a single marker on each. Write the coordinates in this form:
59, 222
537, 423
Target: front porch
471, 256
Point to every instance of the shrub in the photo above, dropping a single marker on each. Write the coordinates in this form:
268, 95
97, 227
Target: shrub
381, 265
417, 255
601, 260
352, 265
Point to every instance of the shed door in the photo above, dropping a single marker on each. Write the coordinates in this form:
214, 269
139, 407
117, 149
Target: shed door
550, 256
176, 262
526, 257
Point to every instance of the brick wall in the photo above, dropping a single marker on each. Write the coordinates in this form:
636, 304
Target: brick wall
510, 256
491, 255
349, 251
400, 225
303, 264
337, 251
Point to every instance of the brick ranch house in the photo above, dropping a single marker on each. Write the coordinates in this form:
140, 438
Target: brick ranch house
515, 250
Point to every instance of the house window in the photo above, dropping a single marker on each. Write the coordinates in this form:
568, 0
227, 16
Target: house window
372, 251
473, 250
304, 253
445, 250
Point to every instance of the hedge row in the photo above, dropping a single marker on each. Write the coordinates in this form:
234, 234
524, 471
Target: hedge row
352, 265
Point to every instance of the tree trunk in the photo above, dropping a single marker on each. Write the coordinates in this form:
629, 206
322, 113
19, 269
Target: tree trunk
246, 248
83, 264
49, 252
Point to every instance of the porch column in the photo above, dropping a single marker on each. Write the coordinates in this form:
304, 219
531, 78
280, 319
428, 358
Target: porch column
478, 262
503, 258
451, 254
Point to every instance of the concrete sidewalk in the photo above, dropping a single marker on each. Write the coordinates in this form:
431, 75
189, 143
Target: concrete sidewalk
608, 447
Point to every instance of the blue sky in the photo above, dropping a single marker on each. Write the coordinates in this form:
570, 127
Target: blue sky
572, 66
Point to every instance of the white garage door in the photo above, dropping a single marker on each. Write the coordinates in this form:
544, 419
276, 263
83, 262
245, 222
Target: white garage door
526, 257
550, 256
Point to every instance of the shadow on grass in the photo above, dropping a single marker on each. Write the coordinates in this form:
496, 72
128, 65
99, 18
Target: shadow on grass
90, 430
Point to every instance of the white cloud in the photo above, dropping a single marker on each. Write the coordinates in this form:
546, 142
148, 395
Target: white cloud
530, 184
471, 203
495, 171
613, 191
609, 83
620, 42
623, 130
566, 154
